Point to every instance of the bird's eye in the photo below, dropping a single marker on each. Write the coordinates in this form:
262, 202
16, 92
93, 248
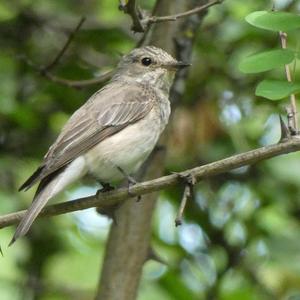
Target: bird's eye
146, 61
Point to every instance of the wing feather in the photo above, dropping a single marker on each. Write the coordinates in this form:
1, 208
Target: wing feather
107, 112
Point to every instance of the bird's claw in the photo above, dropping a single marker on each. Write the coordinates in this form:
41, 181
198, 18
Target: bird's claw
132, 182
186, 178
106, 187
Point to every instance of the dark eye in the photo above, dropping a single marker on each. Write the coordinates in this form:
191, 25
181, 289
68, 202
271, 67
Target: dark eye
146, 61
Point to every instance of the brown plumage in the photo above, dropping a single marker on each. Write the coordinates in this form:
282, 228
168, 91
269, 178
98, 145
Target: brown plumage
115, 129
104, 114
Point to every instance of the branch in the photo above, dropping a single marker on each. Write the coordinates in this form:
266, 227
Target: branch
292, 110
188, 192
77, 83
45, 70
196, 10
67, 82
141, 23
119, 195
59, 55
124, 258
132, 9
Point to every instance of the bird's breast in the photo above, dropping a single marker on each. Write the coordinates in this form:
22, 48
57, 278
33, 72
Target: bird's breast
126, 149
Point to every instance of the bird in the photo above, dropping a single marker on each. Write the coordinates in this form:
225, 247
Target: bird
112, 133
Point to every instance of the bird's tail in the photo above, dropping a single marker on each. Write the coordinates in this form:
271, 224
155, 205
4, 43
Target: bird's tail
33, 211
48, 190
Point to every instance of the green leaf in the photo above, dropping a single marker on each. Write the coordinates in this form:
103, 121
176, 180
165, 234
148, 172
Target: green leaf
276, 89
265, 61
274, 20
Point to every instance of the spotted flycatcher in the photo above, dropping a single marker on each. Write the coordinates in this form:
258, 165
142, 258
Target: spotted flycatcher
112, 133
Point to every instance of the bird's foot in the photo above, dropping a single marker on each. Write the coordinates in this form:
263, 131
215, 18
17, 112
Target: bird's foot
186, 178
106, 187
131, 182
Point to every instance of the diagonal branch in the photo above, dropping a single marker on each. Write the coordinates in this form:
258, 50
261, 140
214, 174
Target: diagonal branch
45, 70
141, 23
196, 10
119, 195
67, 82
60, 54
78, 83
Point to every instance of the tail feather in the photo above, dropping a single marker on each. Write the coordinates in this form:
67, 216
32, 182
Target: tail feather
48, 188
33, 211
35, 177
38, 203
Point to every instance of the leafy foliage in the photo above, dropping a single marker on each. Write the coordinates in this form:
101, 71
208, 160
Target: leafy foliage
269, 60
274, 20
266, 61
276, 89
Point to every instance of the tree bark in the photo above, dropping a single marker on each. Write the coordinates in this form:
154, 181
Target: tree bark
128, 243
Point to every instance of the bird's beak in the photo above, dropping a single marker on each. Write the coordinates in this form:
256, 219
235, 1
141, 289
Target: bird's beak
181, 65
177, 65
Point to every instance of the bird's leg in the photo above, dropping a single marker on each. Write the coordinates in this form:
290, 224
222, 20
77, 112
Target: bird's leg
106, 187
130, 182
130, 179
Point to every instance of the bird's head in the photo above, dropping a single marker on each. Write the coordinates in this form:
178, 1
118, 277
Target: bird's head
150, 65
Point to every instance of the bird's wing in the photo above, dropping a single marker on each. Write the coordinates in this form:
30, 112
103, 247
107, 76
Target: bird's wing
106, 113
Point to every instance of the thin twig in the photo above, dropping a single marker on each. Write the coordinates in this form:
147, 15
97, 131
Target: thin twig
119, 195
131, 8
290, 119
78, 83
196, 10
293, 106
67, 82
45, 71
284, 130
185, 196
59, 55
141, 23
187, 193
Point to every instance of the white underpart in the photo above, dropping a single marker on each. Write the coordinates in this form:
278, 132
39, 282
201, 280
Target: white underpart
127, 149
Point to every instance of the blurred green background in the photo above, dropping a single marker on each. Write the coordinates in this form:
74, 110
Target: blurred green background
241, 236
